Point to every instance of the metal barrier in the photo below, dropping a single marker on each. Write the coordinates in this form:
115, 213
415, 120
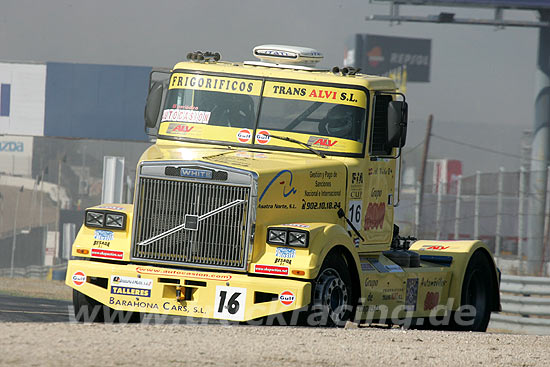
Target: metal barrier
36, 271
525, 305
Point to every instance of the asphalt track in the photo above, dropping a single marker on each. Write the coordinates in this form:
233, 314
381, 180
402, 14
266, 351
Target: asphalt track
23, 309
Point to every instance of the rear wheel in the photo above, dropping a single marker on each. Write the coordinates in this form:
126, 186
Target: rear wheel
87, 309
332, 295
476, 298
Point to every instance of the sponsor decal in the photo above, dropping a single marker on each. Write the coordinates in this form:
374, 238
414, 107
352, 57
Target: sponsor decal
262, 137
433, 283
321, 142
131, 282
102, 235
432, 247
271, 269
79, 278
183, 273
197, 117
134, 304
431, 301
179, 128
215, 83
134, 292
183, 308
244, 136
299, 225
107, 254
411, 294
283, 178
374, 218
102, 243
348, 96
287, 298
285, 252
111, 207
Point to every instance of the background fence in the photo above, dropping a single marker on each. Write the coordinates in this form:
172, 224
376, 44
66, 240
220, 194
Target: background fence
493, 207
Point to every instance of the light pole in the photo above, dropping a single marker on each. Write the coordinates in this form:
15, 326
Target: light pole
15, 230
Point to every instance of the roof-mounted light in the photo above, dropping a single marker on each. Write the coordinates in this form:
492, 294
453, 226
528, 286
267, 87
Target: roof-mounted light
290, 55
199, 56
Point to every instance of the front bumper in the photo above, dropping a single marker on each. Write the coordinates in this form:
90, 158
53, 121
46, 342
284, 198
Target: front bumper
152, 289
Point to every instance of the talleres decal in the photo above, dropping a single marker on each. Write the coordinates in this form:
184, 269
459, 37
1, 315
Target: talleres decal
244, 135
130, 286
79, 278
287, 298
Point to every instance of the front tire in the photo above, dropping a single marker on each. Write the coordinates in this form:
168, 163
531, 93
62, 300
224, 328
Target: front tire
87, 309
332, 294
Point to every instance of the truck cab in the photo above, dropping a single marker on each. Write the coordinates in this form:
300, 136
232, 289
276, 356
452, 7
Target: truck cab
270, 190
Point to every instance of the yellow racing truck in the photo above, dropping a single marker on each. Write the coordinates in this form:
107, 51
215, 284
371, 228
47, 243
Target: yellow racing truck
270, 193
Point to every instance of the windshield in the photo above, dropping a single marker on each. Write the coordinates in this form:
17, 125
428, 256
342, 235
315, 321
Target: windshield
227, 109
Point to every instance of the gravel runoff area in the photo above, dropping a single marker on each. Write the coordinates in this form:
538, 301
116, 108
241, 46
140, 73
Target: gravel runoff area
70, 344
37, 288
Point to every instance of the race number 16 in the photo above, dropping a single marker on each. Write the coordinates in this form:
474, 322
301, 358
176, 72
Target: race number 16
230, 303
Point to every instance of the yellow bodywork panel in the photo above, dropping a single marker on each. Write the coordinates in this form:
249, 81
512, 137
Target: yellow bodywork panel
146, 288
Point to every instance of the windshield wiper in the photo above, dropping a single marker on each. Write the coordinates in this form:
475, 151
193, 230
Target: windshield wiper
292, 140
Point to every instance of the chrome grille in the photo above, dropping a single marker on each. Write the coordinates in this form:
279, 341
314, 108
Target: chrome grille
219, 241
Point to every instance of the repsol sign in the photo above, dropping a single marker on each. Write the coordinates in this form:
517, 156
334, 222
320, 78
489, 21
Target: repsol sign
12, 146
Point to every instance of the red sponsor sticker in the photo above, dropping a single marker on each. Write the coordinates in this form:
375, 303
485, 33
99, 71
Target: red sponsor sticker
244, 135
436, 247
287, 298
183, 273
79, 278
271, 269
263, 137
431, 301
107, 254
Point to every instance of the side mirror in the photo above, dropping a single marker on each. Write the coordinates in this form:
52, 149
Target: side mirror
397, 124
152, 106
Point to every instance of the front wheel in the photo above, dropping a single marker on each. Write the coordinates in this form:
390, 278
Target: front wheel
87, 309
332, 294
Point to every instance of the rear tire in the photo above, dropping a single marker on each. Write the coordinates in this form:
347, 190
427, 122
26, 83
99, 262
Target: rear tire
87, 309
477, 291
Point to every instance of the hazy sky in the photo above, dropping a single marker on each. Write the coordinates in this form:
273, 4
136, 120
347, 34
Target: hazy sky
479, 74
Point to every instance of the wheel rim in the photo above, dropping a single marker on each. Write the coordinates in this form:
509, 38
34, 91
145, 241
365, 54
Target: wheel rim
332, 294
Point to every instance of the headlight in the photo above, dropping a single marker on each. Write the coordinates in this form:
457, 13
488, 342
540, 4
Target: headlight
105, 219
114, 220
288, 237
276, 236
95, 219
296, 238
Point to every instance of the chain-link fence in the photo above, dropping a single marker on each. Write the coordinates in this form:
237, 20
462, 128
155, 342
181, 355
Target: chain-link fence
493, 207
